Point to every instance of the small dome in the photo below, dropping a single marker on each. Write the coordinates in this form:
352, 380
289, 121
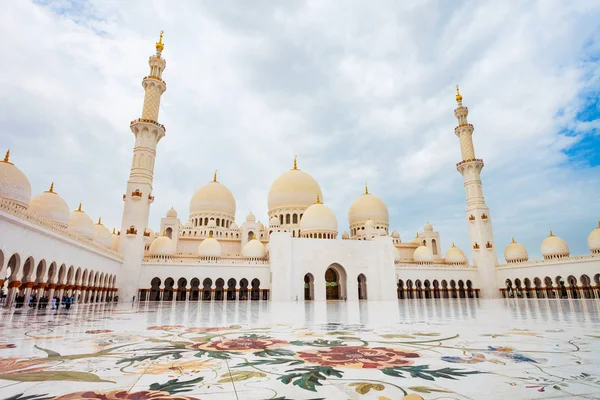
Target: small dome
254, 249
396, 234
250, 217
423, 255
210, 247
274, 221
81, 224
594, 240
211, 223
213, 198
234, 226
102, 235
172, 213
367, 207
554, 247
428, 227
51, 206
261, 226
515, 252
318, 218
162, 246
14, 185
293, 189
345, 236
455, 256
396, 255
417, 239
114, 241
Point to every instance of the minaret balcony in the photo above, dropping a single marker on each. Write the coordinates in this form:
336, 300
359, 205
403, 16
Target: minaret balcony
156, 78
473, 160
147, 121
463, 125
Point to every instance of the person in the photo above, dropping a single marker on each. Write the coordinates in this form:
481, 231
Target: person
53, 302
296, 298
133, 300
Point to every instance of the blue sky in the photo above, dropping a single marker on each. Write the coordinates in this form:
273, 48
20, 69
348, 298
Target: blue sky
361, 93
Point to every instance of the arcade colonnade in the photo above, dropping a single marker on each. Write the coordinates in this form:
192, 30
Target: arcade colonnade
22, 275
444, 289
553, 288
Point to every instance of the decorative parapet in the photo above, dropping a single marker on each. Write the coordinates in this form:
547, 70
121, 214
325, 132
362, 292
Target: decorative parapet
149, 121
468, 161
131, 231
195, 260
564, 260
156, 78
136, 193
432, 266
56, 227
462, 126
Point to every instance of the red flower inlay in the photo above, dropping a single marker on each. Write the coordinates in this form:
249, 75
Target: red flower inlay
358, 357
242, 344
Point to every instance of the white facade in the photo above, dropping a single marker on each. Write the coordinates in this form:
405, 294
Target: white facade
298, 254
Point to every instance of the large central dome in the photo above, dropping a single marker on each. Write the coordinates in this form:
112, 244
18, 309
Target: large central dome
294, 189
367, 207
213, 198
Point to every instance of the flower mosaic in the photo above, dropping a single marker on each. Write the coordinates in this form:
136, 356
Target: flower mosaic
181, 353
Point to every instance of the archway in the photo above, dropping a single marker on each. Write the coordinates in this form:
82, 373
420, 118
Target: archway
206, 289
400, 289
362, 287
586, 282
410, 294
168, 291
155, 289
231, 289
445, 289
419, 287
573, 287
518, 288
335, 282
255, 292
243, 289
219, 289
436, 289
549, 288
461, 289
470, 293
527, 283
309, 287
453, 289
427, 285
181, 289
195, 289
537, 282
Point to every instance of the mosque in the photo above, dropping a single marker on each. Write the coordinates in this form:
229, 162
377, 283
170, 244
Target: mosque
47, 249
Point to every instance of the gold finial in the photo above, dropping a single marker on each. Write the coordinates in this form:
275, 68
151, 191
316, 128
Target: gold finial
215, 175
417, 234
114, 233
79, 209
99, 221
51, 190
295, 163
513, 240
366, 188
318, 200
599, 223
7, 156
551, 234
458, 95
159, 45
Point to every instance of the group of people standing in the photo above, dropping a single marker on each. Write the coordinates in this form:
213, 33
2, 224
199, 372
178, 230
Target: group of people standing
32, 302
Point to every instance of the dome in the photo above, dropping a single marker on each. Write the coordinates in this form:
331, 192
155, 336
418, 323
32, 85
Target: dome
250, 217
254, 249
234, 226
594, 240
396, 234
51, 206
318, 218
345, 236
293, 189
274, 221
213, 198
368, 206
428, 227
396, 255
417, 239
515, 252
114, 241
554, 247
172, 213
162, 246
102, 235
81, 224
210, 247
261, 227
14, 185
455, 255
423, 254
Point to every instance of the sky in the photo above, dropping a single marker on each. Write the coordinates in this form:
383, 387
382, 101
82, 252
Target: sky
360, 91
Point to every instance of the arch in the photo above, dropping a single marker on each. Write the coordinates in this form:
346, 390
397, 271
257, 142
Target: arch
434, 248
574, 290
470, 292
168, 290
586, 284
255, 291
295, 218
28, 267
231, 289
445, 293
155, 289
78, 276
527, 284
40, 272
13, 267
1, 262
418, 287
243, 289
549, 287
62, 272
436, 289
409, 289
362, 287
309, 287
287, 218
71, 275
219, 289
206, 289
280, 219
427, 285
537, 283
518, 288
181, 289
335, 282
169, 233
400, 289
194, 289
453, 289
250, 235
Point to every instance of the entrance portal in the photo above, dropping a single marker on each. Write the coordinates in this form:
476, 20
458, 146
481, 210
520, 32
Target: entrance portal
332, 285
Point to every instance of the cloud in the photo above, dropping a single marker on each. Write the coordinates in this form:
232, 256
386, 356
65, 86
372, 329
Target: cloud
359, 92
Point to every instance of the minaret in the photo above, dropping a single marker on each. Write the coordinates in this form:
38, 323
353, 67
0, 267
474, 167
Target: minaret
138, 197
477, 214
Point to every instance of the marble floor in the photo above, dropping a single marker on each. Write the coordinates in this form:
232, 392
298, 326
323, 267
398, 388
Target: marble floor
438, 349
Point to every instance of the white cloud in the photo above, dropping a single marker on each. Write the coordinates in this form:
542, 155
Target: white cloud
361, 92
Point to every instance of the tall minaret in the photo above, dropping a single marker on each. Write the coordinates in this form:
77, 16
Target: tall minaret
479, 220
138, 197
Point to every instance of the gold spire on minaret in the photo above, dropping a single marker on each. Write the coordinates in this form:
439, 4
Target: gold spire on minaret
295, 162
79, 209
318, 200
551, 234
215, 175
513, 240
160, 45
114, 233
366, 188
458, 95
7, 156
51, 190
99, 221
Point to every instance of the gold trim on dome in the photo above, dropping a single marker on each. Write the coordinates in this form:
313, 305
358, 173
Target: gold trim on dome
160, 45
51, 190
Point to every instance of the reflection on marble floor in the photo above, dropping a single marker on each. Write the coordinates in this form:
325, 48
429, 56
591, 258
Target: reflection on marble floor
439, 349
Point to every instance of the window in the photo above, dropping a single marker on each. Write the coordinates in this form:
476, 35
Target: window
295, 218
